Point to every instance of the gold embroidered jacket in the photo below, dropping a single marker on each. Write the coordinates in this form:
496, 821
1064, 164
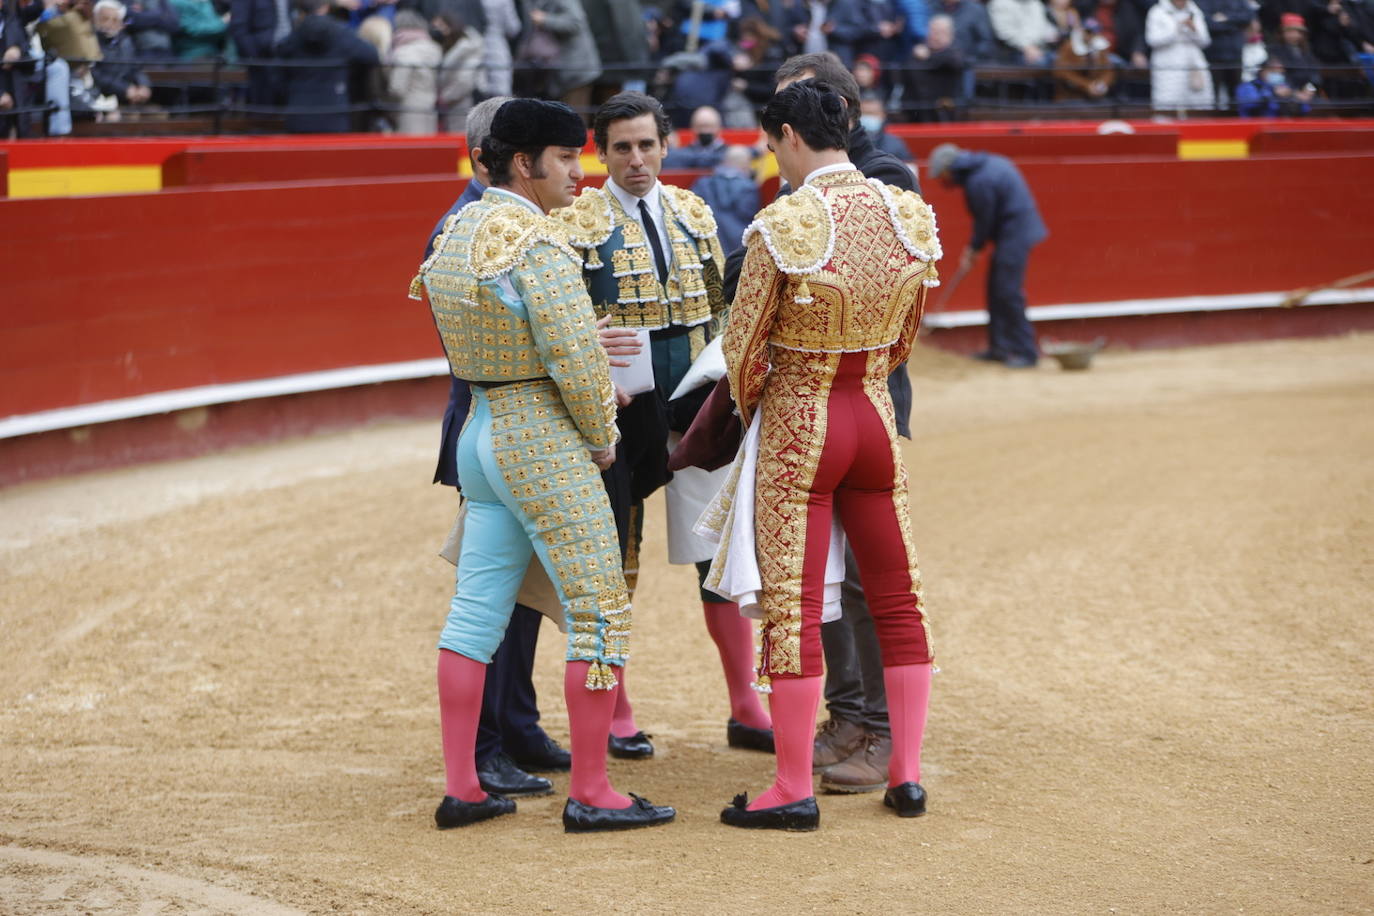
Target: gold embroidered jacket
507, 295
619, 264
839, 265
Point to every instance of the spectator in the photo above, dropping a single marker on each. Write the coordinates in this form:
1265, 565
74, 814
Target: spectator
13, 48
318, 99
1128, 20
257, 27
153, 25
621, 42
868, 73
459, 77
1300, 67
732, 195
1227, 21
973, 35
838, 26
716, 18
1083, 68
761, 47
1338, 36
937, 83
1025, 32
1004, 213
1252, 53
202, 30
1270, 96
707, 149
577, 65
700, 79
118, 74
67, 31
873, 119
502, 26
1064, 18
412, 74
1179, 78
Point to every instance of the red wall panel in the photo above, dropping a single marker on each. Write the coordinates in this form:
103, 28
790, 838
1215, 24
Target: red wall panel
243, 164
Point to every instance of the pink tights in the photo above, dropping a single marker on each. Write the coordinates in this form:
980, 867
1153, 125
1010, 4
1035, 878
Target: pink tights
793, 704
734, 639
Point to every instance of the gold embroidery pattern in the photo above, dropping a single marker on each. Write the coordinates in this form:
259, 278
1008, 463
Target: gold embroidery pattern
745, 344
791, 439
543, 461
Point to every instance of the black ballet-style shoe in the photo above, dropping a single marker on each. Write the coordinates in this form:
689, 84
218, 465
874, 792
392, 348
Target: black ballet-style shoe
749, 738
453, 812
635, 747
580, 818
797, 816
908, 799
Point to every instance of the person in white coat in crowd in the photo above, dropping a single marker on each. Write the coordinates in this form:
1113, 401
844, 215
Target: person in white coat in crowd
411, 78
503, 26
1176, 31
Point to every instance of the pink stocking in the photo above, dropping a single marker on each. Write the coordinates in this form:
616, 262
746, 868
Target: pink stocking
793, 702
623, 719
734, 639
460, 702
908, 696
589, 720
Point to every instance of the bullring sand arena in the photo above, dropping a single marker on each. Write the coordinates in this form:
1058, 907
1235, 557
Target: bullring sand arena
1152, 592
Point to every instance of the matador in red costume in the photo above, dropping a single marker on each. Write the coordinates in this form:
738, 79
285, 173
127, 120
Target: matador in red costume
829, 299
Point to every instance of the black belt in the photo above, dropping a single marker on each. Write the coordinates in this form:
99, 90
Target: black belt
484, 385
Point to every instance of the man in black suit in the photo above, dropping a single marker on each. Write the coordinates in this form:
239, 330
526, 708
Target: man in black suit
257, 27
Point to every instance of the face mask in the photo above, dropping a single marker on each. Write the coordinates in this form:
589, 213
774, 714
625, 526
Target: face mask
871, 123
1275, 78
706, 139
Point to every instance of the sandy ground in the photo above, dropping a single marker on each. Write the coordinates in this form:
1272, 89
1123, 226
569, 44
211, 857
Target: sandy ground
1151, 589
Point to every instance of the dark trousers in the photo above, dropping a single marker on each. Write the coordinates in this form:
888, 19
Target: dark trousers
1009, 330
854, 688
510, 712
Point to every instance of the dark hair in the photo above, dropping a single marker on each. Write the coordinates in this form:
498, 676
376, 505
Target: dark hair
626, 105
827, 70
816, 113
497, 156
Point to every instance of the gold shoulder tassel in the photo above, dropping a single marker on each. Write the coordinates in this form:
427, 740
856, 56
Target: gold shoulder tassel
600, 677
764, 684
417, 286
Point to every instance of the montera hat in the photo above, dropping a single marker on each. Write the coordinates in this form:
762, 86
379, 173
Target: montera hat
531, 123
942, 157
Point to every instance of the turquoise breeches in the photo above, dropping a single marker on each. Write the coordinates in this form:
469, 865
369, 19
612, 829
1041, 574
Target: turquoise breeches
531, 488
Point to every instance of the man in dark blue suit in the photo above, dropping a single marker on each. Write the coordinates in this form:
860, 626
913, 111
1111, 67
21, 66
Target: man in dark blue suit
509, 739
1004, 213
257, 27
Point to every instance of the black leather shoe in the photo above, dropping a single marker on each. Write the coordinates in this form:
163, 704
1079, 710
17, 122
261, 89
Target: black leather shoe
547, 757
501, 776
908, 799
455, 813
580, 818
746, 736
798, 816
636, 747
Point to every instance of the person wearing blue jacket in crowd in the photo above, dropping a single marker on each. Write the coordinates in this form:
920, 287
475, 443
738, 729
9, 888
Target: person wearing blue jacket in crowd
1268, 95
1004, 213
732, 195
510, 740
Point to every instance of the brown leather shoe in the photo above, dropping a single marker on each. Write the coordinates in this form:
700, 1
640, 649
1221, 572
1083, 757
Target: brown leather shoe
864, 771
836, 740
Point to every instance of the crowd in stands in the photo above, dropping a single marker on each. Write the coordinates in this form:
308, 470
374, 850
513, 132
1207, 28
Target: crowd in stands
416, 66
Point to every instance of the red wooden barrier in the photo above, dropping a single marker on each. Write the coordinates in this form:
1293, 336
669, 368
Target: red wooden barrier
1020, 146
244, 164
1312, 141
4, 173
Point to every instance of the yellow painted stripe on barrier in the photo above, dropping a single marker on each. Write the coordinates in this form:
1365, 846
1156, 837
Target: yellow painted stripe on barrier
1213, 149
87, 179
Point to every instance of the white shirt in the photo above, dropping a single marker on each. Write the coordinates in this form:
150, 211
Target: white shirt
845, 166
654, 202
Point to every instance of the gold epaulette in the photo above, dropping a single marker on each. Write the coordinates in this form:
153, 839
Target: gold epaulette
417, 283
693, 212
505, 233
914, 221
798, 230
588, 219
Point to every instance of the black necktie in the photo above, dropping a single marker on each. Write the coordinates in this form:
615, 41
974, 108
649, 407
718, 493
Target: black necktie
655, 243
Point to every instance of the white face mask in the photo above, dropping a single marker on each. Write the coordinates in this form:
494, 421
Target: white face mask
871, 123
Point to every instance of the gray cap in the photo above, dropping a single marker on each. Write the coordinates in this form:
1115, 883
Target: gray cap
941, 158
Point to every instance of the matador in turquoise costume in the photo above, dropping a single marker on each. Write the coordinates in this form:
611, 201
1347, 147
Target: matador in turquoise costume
506, 292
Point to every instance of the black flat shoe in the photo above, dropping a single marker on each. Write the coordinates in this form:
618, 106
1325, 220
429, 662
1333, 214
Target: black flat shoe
908, 799
749, 738
636, 747
547, 757
798, 816
455, 813
501, 776
580, 818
